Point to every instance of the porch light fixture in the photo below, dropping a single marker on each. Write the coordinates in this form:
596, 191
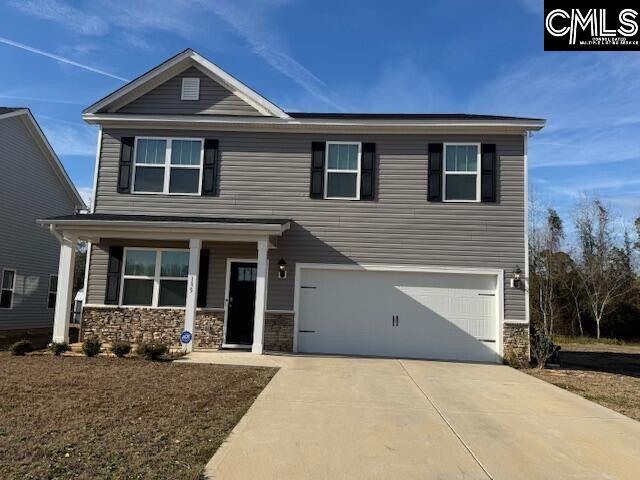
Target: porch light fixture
282, 268
515, 281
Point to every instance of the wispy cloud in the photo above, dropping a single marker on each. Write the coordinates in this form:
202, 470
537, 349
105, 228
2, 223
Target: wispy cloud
583, 126
58, 58
64, 14
68, 138
27, 98
87, 194
249, 20
535, 7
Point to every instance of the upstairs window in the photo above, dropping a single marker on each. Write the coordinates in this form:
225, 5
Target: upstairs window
190, 88
8, 288
53, 291
168, 165
461, 177
155, 278
342, 174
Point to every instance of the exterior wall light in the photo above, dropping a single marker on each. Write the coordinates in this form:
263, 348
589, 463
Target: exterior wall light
516, 281
282, 268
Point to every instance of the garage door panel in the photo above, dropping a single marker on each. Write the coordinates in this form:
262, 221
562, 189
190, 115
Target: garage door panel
448, 316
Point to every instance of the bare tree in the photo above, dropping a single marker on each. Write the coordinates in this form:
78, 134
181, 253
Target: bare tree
545, 241
571, 283
602, 262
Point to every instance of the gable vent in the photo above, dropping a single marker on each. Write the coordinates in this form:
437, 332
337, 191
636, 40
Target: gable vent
190, 88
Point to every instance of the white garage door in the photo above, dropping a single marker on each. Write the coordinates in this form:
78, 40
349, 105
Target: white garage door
404, 314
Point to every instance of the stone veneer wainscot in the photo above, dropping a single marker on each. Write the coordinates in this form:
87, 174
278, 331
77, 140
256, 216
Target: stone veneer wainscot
165, 325
516, 341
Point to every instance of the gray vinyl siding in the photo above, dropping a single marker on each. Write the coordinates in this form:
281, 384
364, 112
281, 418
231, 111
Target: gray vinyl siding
267, 175
30, 190
214, 99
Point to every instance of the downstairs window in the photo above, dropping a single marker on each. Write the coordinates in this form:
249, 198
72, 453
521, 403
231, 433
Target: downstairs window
155, 277
8, 288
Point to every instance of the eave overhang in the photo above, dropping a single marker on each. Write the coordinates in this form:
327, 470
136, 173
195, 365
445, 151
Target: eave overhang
210, 122
94, 229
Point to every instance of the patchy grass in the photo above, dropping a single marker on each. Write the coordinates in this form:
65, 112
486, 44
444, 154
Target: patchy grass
94, 418
564, 340
605, 373
617, 392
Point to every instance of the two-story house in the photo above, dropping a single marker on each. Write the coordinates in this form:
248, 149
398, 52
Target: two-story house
218, 214
33, 184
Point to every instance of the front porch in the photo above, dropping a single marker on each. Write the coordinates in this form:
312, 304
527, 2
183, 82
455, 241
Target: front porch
196, 283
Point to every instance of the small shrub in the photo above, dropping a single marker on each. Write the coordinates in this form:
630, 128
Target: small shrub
542, 348
120, 348
91, 347
21, 347
58, 348
152, 350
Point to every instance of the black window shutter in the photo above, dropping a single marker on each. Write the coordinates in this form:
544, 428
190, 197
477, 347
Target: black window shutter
126, 163
114, 269
434, 177
316, 189
203, 278
368, 172
211, 168
488, 170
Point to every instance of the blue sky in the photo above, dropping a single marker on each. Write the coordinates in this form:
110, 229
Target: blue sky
354, 55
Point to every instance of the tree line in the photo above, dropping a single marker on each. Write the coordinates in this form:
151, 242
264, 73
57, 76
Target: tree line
587, 284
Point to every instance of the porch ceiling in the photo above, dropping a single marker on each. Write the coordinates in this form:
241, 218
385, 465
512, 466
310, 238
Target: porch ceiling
92, 227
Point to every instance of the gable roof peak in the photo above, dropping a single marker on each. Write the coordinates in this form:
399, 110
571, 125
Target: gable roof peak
136, 88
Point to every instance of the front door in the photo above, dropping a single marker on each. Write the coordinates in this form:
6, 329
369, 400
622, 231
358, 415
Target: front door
241, 303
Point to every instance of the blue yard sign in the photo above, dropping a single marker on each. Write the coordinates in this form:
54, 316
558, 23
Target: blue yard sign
185, 337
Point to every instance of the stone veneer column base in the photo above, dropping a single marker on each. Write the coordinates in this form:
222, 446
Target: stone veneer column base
516, 347
278, 331
137, 325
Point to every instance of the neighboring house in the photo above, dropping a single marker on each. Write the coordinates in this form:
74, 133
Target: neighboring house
33, 184
219, 214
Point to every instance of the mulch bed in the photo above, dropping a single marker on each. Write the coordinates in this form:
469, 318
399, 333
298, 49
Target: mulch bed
95, 418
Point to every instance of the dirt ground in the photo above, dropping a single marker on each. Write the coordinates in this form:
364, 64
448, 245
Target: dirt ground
603, 373
99, 418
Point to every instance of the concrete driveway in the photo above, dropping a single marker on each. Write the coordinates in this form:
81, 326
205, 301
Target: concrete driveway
352, 418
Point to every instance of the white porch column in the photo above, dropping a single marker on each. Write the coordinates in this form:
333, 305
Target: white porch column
261, 296
66, 267
195, 246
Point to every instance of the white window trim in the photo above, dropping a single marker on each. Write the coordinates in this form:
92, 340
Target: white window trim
49, 291
156, 277
12, 289
327, 171
445, 172
167, 166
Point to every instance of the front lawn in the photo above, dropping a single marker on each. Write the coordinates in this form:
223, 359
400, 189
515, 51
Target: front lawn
607, 373
93, 418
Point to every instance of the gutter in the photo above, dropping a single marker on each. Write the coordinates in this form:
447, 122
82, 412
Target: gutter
293, 123
267, 227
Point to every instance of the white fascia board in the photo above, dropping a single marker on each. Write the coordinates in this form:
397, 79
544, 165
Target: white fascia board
240, 89
264, 106
106, 225
292, 123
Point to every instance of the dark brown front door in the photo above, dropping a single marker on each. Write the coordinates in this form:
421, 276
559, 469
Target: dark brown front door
241, 303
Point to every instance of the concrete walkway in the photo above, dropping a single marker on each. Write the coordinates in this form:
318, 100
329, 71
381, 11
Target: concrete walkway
361, 418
